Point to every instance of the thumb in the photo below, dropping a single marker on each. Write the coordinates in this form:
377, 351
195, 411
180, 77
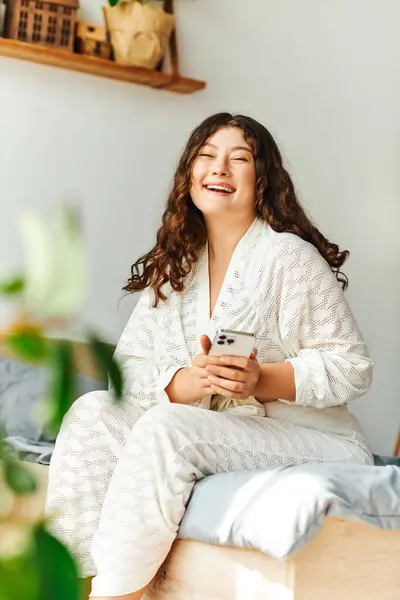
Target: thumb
253, 355
205, 344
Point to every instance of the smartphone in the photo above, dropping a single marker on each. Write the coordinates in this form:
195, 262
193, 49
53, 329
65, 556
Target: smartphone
232, 343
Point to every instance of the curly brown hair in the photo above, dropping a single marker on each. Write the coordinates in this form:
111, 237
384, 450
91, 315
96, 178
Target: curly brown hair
182, 234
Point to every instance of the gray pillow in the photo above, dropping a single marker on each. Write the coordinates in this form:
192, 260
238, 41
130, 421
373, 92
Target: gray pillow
21, 388
278, 511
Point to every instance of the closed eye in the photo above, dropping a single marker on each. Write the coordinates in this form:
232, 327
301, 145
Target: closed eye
205, 154
242, 158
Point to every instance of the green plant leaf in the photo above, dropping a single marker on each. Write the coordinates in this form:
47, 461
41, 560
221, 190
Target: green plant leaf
12, 286
28, 344
57, 571
18, 477
104, 355
63, 388
18, 577
55, 264
4, 595
113, 2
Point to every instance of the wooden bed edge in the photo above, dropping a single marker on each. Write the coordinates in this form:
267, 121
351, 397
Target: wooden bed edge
347, 559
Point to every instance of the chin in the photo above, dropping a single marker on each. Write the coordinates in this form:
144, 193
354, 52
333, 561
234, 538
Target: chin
214, 205
214, 210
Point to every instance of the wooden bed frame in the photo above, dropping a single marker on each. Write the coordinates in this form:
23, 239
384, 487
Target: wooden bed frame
347, 560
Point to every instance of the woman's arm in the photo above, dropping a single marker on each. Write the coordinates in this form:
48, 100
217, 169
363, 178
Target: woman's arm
145, 372
330, 365
239, 377
177, 389
329, 362
276, 381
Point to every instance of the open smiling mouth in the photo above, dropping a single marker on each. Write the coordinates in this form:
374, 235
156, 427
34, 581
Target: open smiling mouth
224, 190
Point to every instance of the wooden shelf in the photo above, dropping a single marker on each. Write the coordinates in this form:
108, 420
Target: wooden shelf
98, 66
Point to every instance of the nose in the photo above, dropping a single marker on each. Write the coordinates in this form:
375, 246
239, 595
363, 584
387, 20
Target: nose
220, 167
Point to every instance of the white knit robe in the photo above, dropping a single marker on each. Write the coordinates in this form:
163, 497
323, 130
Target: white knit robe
121, 474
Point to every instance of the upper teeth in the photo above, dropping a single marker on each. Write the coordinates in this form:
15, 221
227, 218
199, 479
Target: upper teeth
219, 188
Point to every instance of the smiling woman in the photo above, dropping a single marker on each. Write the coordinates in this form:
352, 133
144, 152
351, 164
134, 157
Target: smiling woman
236, 251
224, 177
267, 192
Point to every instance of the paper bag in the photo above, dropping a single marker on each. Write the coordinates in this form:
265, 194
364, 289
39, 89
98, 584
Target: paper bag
139, 34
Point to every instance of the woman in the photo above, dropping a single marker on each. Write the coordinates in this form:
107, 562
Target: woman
235, 250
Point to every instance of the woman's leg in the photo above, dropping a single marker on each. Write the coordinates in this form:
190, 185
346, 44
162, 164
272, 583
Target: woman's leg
87, 449
170, 448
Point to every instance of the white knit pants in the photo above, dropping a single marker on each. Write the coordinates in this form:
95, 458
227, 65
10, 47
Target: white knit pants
120, 477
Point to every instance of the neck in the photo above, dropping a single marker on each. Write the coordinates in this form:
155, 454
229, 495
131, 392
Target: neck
223, 237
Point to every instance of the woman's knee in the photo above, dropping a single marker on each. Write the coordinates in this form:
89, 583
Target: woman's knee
88, 406
93, 421
167, 412
170, 417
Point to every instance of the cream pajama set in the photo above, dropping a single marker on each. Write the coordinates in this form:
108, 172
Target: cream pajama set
122, 473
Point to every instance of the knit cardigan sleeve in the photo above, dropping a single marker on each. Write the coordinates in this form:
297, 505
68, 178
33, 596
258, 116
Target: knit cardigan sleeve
331, 363
147, 369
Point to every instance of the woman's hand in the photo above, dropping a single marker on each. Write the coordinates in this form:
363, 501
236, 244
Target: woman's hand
230, 376
190, 384
234, 376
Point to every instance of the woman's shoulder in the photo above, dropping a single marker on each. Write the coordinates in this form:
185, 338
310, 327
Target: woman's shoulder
286, 246
288, 259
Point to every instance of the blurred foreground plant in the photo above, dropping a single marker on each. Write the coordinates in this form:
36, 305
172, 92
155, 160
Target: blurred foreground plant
47, 295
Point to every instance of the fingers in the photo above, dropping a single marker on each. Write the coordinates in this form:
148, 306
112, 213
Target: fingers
227, 373
224, 375
227, 384
202, 360
227, 393
237, 361
203, 382
205, 386
207, 391
205, 344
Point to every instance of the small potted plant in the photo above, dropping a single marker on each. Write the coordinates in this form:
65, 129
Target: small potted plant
139, 32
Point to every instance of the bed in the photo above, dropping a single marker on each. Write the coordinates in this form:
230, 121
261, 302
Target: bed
323, 532
341, 558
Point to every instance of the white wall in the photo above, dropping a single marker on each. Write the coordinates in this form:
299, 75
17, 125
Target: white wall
323, 76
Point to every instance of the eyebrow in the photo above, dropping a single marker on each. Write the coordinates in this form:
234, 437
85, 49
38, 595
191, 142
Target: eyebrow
233, 149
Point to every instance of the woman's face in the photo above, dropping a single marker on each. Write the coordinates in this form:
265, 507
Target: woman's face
224, 176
